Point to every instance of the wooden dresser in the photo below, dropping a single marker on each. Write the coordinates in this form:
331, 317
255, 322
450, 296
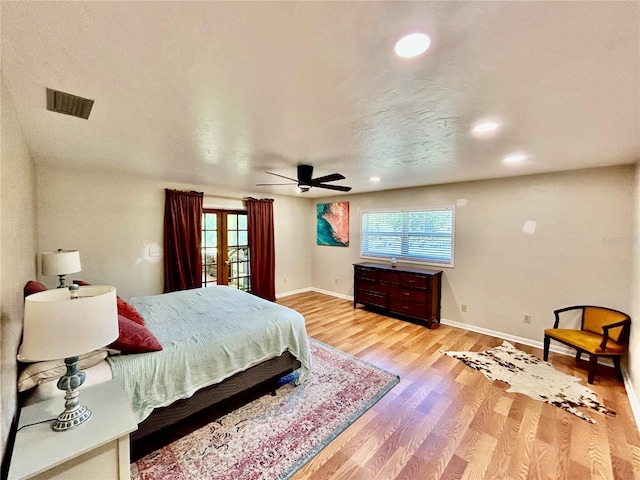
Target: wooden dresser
401, 290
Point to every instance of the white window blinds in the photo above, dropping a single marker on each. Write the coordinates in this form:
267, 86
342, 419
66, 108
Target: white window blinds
423, 235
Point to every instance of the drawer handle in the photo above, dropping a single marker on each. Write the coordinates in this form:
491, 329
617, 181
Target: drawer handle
406, 293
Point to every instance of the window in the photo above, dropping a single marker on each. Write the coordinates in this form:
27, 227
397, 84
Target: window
424, 235
225, 249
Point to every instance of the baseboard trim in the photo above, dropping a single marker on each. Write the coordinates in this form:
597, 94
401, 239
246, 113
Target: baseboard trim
317, 290
631, 395
292, 292
485, 331
333, 294
512, 338
633, 399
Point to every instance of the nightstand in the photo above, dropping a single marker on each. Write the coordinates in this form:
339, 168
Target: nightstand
97, 449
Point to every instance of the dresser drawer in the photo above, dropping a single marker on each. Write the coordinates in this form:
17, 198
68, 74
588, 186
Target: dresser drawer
372, 287
400, 290
406, 307
418, 296
365, 273
368, 298
415, 281
391, 278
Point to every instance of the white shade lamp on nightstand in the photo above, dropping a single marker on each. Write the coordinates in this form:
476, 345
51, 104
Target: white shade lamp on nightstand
60, 263
66, 323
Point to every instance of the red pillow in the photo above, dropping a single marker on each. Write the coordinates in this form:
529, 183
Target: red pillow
128, 311
124, 308
134, 338
33, 287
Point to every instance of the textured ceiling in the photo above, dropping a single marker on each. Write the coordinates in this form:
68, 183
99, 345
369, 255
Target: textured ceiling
219, 92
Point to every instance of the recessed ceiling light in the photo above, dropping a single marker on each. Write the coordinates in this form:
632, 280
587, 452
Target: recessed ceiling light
515, 158
374, 179
413, 45
485, 127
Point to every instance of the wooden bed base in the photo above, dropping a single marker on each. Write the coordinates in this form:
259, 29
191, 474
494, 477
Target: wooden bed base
265, 373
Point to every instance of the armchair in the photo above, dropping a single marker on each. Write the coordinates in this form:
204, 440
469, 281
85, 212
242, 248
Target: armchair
604, 332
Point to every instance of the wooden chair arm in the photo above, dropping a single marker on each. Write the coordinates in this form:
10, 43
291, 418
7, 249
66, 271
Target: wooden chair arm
606, 328
561, 310
621, 323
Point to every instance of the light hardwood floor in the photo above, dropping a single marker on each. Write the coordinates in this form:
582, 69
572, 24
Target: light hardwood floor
446, 421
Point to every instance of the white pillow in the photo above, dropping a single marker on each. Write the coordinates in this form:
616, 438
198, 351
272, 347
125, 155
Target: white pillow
40, 372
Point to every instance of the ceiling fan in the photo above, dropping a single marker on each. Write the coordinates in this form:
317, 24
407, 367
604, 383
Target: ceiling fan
305, 180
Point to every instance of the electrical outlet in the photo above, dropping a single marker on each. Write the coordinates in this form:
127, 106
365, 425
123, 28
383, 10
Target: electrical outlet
336, 281
527, 318
284, 280
464, 307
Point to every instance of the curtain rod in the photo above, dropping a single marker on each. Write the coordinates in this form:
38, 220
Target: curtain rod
242, 199
226, 197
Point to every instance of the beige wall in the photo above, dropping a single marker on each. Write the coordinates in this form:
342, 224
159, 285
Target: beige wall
18, 247
112, 220
634, 295
576, 255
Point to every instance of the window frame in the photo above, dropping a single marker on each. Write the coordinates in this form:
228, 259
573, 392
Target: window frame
405, 233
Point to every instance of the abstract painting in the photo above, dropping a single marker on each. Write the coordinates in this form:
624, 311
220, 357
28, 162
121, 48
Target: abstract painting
333, 224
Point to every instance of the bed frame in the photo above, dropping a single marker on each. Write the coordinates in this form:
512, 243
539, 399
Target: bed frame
264, 374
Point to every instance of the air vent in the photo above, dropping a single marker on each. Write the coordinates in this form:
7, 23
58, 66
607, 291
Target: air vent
68, 104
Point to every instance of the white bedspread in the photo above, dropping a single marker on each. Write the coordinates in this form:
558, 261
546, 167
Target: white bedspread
207, 335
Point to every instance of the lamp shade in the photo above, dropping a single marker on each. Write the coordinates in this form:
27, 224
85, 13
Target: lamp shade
57, 326
60, 262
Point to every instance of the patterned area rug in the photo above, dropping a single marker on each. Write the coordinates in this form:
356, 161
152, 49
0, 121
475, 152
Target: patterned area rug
273, 436
536, 378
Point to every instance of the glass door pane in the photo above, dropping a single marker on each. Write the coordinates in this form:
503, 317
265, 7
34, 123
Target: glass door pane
209, 249
238, 251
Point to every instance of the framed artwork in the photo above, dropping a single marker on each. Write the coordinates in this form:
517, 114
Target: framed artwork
333, 224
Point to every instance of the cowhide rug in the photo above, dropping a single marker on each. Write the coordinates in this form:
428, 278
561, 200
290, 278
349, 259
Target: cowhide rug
531, 376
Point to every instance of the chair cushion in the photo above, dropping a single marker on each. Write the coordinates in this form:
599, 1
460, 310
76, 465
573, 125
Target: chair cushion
587, 341
595, 318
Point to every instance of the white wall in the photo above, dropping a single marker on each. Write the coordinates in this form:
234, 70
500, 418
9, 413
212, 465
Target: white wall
112, 219
576, 255
18, 247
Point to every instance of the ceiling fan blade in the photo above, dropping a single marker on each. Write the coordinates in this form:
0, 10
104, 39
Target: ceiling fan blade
268, 184
282, 176
333, 187
327, 178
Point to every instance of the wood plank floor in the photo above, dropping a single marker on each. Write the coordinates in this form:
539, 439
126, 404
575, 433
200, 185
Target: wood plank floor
445, 421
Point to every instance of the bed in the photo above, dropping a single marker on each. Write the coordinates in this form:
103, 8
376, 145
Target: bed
216, 343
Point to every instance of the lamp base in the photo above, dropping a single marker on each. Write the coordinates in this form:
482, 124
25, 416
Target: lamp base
71, 419
74, 414
61, 278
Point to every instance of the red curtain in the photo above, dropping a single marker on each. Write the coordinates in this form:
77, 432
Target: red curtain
262, 247
182, 237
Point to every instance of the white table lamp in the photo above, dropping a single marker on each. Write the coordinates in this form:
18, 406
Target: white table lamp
61, 262
65, 323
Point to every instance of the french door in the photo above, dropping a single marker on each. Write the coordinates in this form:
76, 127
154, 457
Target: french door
225, 249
